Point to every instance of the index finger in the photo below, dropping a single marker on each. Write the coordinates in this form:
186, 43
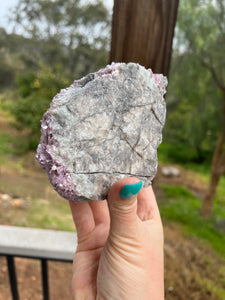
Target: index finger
83, 218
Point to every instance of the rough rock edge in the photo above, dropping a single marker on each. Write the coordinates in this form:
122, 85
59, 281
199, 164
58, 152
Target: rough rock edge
58, 174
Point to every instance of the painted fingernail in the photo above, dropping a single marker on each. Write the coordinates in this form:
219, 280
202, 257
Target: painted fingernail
130, 190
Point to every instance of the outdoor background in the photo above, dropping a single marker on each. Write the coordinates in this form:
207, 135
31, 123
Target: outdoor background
44, 46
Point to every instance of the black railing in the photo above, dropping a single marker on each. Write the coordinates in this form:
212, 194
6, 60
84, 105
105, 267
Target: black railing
37, 244
12, 277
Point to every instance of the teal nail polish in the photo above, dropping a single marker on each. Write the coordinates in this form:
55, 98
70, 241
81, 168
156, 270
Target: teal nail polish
130, 190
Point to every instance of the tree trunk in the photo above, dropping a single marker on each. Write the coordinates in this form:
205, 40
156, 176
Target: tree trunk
217, 170
142, 32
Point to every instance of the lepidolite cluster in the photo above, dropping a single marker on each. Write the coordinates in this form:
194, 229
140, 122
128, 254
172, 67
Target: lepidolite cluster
105, 126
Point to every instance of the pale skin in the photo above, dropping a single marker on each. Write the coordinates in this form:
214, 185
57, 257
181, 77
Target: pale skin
120, 247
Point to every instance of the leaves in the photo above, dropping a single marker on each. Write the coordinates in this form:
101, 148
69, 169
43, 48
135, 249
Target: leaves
202, 24
62, 41
195, 96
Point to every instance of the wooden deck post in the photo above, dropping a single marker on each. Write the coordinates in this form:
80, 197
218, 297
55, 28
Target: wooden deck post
142, 32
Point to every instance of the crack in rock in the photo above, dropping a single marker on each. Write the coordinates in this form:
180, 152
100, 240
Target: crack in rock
111, 120
128, 174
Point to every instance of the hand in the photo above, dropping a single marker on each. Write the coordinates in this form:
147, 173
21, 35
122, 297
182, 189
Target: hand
120, 247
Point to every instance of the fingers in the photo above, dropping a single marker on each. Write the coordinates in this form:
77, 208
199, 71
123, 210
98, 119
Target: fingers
147, 207
123, 211
83, 218
100, 211
87, 215
128, 203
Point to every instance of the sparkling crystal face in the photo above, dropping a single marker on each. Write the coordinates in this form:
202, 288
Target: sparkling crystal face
105, 126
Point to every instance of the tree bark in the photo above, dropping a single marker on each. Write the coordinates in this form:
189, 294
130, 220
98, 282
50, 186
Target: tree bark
217, 170
142, 32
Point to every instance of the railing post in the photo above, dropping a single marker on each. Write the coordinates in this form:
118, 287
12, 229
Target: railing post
12, 277
44, 269
35, 243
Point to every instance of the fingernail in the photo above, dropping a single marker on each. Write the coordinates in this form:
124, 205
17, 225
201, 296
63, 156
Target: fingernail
130, 190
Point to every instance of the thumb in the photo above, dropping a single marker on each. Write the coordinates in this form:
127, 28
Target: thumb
122, 201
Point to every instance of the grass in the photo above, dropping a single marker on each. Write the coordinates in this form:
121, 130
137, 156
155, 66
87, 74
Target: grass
21, 181
182, 207
50, 215
210, 286
40, 213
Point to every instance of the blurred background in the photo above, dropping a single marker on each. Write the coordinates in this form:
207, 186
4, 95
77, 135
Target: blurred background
44, 46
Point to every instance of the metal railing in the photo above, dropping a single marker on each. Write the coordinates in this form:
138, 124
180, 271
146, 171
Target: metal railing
37, 244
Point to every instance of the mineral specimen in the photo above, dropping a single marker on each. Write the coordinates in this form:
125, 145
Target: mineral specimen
105, 126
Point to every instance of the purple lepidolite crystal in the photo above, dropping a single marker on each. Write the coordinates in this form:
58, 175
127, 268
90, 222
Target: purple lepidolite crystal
105, 126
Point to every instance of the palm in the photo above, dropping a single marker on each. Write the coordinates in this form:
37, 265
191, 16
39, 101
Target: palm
92, 223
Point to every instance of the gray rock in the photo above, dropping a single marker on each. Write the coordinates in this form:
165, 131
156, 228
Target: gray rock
170, 172
104, 127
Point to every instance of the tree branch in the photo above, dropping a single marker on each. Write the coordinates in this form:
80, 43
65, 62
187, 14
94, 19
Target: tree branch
213, 73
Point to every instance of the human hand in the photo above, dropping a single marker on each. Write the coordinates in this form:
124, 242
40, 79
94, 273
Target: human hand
120, 247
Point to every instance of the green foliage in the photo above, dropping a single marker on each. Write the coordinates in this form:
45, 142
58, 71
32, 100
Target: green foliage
10, 144
177, 152
195, 94
35, 93
192, 123
10, 62
6, 143
177, 192
6, 72
61, 41
182, 207
68, 36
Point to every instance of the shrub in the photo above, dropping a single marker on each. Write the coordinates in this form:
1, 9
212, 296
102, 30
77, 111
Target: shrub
35, 92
